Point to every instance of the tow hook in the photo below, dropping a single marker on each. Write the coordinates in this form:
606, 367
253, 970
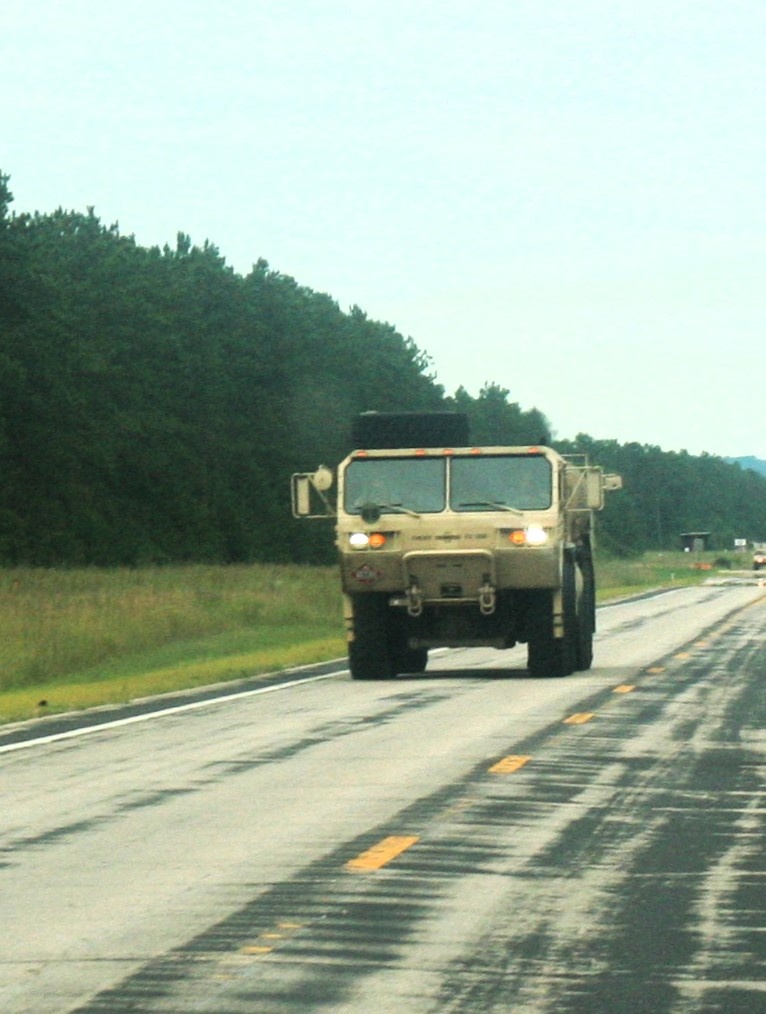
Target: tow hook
487, 599
414, 600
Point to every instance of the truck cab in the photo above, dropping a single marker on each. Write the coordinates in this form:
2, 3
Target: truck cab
455, 546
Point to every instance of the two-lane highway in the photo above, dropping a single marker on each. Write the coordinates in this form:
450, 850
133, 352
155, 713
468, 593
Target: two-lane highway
467, 840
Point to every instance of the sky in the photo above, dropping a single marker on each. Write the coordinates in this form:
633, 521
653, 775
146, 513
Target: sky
566, 198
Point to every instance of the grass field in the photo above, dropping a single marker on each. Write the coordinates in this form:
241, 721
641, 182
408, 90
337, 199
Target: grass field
73, 639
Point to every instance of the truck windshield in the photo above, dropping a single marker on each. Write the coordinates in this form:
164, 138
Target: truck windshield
497, 482
396, 484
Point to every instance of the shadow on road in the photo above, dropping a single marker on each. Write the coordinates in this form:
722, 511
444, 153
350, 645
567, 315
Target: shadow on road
516, 673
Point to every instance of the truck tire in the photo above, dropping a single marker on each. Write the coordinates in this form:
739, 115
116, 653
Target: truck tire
584, 645
586, 613
412, 660
546, 654
403, 658
369, 654
550, 656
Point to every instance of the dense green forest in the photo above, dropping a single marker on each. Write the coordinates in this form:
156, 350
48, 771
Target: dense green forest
153, 404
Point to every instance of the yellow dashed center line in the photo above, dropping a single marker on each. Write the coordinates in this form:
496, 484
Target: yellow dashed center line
624, 688
579, 718
656, 669
282, 933
508, 765
457, 807
382, 853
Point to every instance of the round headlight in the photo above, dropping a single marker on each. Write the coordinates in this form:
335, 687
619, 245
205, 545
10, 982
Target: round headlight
536, 536
359, 540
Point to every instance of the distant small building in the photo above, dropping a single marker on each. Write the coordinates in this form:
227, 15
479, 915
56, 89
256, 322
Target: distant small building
695, 542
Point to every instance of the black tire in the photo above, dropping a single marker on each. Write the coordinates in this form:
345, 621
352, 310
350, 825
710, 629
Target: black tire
369, 654
403, 658
584, 648
412, 660
546, 654
586, 612
549, 656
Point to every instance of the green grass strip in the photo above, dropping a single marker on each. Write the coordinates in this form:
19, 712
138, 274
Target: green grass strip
77, 639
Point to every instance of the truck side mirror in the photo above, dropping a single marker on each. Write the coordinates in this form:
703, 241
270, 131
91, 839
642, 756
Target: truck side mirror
586, 486
301, 496
594, 485
583, 486
308, 493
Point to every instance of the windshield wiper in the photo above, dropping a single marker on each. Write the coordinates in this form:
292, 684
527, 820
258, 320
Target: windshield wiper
490, 503
371, 511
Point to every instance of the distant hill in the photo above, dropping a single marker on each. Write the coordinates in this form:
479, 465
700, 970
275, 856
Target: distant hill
756, 464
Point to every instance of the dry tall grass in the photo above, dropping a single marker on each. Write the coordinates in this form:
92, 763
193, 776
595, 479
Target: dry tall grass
59, 624
79, 638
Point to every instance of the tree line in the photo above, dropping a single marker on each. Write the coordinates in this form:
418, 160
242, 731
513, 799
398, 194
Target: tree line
153, 404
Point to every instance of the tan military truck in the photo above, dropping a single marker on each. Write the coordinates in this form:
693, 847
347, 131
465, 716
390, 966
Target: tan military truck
445, 544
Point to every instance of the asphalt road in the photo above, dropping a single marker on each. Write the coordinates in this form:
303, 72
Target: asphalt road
467, 840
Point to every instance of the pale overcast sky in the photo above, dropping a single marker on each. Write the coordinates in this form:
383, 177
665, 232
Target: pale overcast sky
564, 197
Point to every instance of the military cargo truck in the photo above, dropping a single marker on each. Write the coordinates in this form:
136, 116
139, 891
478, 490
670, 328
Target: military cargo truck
445, 544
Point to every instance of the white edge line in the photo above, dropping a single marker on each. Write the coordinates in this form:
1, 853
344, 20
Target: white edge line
161, 713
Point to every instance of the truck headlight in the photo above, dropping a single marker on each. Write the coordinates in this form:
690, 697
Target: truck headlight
532, 536
361, 540
536, 536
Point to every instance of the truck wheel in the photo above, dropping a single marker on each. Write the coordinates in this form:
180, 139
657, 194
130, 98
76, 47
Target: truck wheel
369, 654
546, 654
550, 656
412, 660
584, 647
403, 658
586, 616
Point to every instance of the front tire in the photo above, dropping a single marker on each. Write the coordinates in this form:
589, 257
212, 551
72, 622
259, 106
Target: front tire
549, 656
369, 653
412, 660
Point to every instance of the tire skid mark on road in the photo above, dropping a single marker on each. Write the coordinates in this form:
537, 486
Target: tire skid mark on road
348, 926
74, 725
345, 928
120, 807
678, 906
588, 796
